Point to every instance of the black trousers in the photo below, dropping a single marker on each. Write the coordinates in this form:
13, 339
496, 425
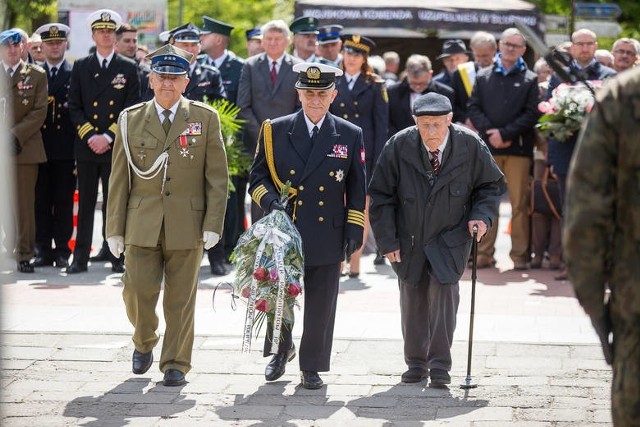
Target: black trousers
54, 207
89, 174
321, 285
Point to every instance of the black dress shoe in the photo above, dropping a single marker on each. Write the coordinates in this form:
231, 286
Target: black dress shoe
103, 255
439, 377
25, 267
218, 269
173, 378
42, 261
61, 261
310, 380
117, 266
275, 368
413, 375
379, 259
141, 362
76, 267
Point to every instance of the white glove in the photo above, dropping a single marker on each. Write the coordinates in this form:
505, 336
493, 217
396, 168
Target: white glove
210, 239
116, 245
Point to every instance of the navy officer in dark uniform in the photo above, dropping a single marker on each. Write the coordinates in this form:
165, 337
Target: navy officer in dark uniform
204, 79
56, 181
321, 155
102, 85
362, 99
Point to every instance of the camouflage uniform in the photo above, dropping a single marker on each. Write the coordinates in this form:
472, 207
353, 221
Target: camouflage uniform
602, 233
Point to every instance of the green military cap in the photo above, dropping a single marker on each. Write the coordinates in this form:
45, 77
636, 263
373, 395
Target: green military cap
305, 25
210, 25
170, 60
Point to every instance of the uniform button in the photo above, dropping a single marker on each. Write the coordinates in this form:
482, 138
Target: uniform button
95, 116
142, 144
168, 193
44, 126
95, 103
320, 203
355, 102
58, 127
111, 116
292, 172
321, 188
59, 116
357, 115
111, 102
321, 219
95, 128
342, 104
332, 173
168, 178
59, 105
299, 202
346, 116
301, 188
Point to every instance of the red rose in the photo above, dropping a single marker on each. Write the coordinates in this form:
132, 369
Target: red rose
261, 274
245, 292
262, 305
294, 289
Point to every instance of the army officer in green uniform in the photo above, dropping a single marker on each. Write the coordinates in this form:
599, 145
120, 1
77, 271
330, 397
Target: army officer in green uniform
168, 197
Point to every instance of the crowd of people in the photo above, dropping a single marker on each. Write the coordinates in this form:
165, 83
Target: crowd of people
476, 120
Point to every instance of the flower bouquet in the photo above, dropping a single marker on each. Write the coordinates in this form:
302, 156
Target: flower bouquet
269, 273
566, 110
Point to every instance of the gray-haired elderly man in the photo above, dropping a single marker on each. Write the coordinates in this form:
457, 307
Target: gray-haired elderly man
433, 183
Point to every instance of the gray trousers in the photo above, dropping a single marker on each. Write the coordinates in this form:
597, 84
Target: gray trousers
428, 316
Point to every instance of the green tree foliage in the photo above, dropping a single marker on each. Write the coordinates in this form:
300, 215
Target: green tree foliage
243, 15
25, 13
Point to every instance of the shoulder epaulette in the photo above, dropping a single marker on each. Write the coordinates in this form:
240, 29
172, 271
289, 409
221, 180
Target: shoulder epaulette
135, 106
202, 105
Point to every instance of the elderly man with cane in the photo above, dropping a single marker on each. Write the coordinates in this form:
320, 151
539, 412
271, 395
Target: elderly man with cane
434, 182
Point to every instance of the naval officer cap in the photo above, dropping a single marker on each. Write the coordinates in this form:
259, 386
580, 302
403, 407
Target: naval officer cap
170, 60
210, 25
104, 19
305, 25
187, 33
10, 37
431, 104
312, 75
54, 31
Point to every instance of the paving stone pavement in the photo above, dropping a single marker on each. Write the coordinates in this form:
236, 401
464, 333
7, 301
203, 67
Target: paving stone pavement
65, 353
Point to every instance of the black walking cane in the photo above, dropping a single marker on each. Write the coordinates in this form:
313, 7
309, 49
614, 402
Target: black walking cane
468, 382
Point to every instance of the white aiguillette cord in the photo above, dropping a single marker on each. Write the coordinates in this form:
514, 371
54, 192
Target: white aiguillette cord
160, 163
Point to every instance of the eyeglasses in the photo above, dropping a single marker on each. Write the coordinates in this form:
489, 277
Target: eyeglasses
511, 45
624, 52
584, 44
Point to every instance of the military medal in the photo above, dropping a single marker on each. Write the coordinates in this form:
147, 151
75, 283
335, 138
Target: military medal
184, 152
339, 175
142, 155
25, 101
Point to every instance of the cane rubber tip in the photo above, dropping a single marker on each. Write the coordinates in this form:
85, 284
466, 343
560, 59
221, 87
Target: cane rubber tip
468, 386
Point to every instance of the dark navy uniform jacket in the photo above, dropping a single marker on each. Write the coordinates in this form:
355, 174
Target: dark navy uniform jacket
329, 177
96, 99
366, 106
58, 133
204, 81
230, 71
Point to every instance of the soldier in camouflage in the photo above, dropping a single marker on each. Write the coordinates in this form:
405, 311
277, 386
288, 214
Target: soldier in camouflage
602, 234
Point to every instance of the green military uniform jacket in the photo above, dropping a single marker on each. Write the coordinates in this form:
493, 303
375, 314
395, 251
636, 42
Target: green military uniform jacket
186, 197
28, 99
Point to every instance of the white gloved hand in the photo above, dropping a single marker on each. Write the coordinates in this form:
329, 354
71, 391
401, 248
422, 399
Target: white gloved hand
116, 245
210, 239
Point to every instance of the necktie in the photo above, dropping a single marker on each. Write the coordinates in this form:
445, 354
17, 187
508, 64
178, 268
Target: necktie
54, 72
166, 123
349, 83
435, 162
314, 134
9, 72
274, 72
104, 64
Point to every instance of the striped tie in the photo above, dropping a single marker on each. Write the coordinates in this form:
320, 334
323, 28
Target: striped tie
435, 162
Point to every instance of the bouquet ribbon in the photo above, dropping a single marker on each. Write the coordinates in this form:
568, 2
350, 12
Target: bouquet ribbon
278, 239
